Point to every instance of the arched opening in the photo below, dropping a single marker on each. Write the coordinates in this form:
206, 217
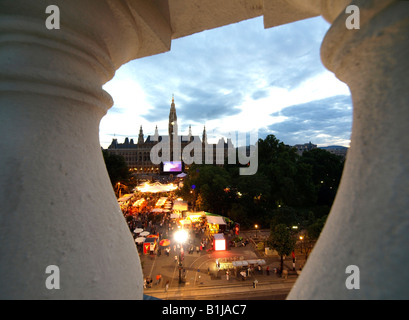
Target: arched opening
240, 78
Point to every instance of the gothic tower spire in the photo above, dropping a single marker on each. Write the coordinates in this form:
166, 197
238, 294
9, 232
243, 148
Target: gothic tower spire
172, 118
189, 136
204, 137
173, 126
140, 137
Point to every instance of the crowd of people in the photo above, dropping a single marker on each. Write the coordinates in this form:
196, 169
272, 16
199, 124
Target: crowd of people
163, 225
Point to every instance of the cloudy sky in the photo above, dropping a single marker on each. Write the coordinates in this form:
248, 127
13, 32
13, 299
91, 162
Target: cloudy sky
238, 78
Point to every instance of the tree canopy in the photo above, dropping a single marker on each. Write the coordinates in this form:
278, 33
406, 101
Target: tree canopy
117, 169
287, 189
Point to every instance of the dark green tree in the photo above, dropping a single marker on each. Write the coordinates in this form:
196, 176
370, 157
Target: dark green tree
282, 241
209, 184
278, 162
285, 215
314, 229
326, 173
117, 169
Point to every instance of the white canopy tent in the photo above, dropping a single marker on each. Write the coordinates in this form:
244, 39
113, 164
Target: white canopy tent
180, 205
215, 220
181, 175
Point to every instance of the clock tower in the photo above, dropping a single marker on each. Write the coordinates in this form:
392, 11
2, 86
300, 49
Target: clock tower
172, 119
173, 126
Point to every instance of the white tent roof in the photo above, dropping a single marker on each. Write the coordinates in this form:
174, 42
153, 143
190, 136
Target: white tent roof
215, 220
245, 263
125, 197
180, 205
218, 236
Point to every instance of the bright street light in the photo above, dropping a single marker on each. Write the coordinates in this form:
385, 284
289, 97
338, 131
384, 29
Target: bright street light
180, 236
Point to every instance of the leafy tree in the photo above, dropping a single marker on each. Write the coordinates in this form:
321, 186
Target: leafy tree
285, 189
207, 183
314, 229
278, 162
284, 215
326, 173
117, 169
282, 241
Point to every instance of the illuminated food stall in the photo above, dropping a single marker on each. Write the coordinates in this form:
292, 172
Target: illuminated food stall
124, 200
194, 216
161, 202
139, 203
150, 244
185, 222
215, 224
180, 206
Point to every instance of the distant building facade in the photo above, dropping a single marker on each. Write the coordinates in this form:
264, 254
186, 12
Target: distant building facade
304, 147
337, 150
138, 155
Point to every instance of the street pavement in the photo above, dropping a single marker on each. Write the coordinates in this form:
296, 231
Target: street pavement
202, 280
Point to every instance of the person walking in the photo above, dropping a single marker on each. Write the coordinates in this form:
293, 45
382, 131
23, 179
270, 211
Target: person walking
255, 283
158, 278
167, 286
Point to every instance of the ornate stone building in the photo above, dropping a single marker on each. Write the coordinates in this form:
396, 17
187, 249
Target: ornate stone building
138, 155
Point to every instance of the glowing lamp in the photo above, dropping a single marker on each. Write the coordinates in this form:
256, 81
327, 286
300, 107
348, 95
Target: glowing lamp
180, 236
219, 242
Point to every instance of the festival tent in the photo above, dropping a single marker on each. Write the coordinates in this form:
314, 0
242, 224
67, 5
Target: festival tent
215, 220
185, 221
139, 202
215, 223
194, 216
161, 201
242, 263
156, 187
140, 240
180, 206
245, 263
150, 244
125, 198
181, 175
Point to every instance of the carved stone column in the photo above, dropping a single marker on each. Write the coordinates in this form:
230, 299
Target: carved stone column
368, 224
57, 204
